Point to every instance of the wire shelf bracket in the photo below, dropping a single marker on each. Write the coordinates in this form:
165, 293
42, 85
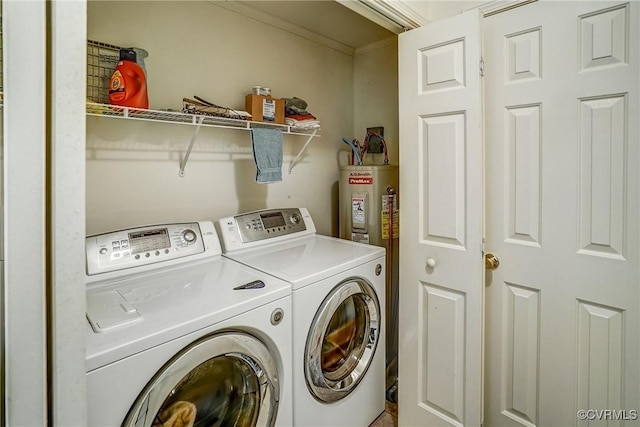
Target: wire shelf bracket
304, 147
194, 136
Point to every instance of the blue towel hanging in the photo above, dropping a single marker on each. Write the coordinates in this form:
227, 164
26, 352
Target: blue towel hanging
267, 153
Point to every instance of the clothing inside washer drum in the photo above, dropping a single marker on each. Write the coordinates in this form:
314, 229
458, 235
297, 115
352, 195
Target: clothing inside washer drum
342, 340
342, 346
221, 391
236, 385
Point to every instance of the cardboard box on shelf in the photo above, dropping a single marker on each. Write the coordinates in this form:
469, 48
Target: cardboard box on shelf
265, 108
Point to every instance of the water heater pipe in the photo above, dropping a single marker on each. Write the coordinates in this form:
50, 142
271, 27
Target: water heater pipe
393, 329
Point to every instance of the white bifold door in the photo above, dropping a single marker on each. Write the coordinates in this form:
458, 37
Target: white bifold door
555, 326
562, 141
441, 265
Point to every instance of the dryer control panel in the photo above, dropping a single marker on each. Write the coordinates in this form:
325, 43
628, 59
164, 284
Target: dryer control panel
264, 226
140, 247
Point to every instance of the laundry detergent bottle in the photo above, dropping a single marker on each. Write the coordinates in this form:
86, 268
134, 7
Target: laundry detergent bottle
128, 84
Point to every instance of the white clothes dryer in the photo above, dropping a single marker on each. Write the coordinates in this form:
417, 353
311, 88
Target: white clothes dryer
179, 335
338, 302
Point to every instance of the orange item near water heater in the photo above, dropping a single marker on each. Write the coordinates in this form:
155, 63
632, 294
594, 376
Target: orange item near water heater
128, 84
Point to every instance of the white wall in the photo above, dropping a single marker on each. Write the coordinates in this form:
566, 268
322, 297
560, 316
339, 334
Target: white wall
198, 48
376, 96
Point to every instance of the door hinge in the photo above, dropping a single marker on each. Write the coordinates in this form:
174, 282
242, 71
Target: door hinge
481, 67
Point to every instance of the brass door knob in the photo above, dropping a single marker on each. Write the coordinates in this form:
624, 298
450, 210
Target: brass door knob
491, 262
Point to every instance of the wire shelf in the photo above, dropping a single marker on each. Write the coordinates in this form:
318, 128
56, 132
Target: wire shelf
197, 120
105, 110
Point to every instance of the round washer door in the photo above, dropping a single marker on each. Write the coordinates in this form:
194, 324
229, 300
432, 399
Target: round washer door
228, 378
342, 340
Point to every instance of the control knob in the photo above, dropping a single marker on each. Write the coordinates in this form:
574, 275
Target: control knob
189, 236
295, 218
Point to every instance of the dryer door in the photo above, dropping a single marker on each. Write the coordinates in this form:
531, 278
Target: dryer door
227, 378
342, 340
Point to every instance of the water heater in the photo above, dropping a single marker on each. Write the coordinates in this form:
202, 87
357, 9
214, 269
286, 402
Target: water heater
369, 214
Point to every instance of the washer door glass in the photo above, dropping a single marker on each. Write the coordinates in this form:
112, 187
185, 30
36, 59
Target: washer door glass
223, 390
228, 379
342, 340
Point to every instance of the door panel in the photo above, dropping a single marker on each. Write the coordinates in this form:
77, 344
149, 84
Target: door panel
602, 181
441, 267
442, 173
562, 212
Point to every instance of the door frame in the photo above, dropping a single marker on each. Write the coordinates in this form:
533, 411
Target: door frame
24, 231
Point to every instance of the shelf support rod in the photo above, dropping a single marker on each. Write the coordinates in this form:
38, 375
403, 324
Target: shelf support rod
184, 160
304, 147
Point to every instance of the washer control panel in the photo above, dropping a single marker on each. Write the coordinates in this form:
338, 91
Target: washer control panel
268, 225
142, 246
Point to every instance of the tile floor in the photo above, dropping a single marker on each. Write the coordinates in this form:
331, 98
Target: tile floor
389, 418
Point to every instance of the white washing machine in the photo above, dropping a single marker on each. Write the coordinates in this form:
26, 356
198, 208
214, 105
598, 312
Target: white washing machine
179, 335
338, 302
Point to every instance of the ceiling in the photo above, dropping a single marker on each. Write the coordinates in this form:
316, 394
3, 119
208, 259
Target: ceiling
327, 18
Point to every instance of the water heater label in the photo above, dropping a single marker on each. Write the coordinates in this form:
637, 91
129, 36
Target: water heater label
360, 178
358, 216
385, 224
360, 237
